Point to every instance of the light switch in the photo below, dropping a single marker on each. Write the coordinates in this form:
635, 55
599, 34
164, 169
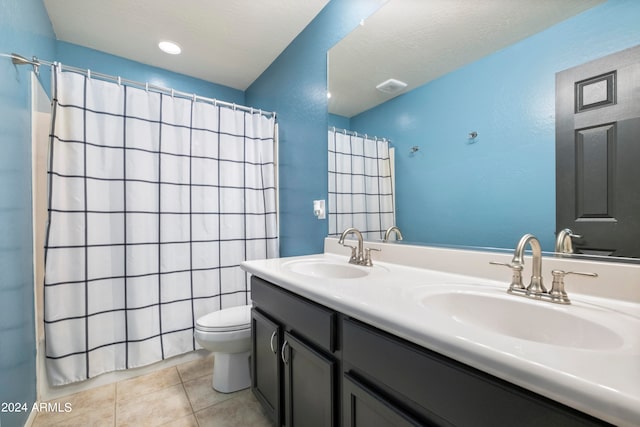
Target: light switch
319, 209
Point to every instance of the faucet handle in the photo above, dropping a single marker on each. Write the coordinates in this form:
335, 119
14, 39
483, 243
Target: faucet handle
516, 279
557, 291
367, 255
354, 257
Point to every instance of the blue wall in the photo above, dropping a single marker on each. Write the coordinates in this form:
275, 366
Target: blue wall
340, 122
295, 86
24, 29
491, 192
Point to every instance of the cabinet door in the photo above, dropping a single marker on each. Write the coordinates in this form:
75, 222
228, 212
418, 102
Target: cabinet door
308, 384
364, 407
265, 363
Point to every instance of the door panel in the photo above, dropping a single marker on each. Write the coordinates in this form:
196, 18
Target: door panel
363, 407
595, 172
309, 385
265, 363
598, 154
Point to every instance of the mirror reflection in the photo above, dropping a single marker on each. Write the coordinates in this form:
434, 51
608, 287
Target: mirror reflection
474, 129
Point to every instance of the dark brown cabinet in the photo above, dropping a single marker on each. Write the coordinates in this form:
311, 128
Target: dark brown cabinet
309, 386
363, 406
265, 362
312, 366
437, 390
294, 366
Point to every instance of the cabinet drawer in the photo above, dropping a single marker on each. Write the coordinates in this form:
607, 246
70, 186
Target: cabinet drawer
301, 316
459, 394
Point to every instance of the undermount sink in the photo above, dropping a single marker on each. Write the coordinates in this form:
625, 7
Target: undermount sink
325, 269
526, 319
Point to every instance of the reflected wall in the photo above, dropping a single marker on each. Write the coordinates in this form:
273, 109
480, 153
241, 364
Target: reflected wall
492, 189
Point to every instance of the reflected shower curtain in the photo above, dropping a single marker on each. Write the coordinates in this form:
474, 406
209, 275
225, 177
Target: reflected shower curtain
360, 184
154, 201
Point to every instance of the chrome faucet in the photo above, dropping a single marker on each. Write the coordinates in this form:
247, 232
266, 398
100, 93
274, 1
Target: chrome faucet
359, 255
536, 288
564, 244
387, 233
356, 257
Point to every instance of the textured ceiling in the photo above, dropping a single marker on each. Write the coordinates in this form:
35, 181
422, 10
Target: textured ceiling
229, 42
416, 41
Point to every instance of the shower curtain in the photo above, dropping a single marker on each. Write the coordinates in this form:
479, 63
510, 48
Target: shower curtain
154, 201
360, 184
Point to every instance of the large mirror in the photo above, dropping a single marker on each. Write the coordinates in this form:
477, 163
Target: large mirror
474, 127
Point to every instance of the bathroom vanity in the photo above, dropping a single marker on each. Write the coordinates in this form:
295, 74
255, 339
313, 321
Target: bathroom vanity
294, 363
337, 344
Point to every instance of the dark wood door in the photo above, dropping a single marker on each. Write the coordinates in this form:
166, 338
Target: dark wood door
598, 154
309, 385
265, 363
363, 407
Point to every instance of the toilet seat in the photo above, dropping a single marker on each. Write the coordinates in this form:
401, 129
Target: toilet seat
227, 320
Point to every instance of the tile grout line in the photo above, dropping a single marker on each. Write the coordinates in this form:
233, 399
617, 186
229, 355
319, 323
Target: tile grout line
184, 390
115, 404
193, 412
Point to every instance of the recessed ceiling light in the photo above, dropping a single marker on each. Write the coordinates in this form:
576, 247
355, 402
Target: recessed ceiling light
170, 47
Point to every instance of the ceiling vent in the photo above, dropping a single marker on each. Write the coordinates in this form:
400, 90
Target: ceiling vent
391, 86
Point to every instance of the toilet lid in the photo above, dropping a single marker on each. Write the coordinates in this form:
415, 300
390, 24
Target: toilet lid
228, 319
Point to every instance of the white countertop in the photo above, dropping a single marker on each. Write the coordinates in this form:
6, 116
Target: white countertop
602, 382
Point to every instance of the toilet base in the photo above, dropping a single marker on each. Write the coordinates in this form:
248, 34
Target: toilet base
231, 371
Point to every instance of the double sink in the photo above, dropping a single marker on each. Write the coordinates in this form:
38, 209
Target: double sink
494, 311
585, 354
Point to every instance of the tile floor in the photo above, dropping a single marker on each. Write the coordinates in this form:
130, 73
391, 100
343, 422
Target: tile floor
180, 396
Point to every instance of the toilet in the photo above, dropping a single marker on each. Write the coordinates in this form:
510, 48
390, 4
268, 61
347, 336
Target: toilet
227, 333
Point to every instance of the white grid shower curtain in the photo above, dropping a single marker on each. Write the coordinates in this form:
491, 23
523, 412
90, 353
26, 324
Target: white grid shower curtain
154, 201
360, 184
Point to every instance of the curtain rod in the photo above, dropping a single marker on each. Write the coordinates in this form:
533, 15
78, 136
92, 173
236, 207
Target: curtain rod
356, 134
36, 63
